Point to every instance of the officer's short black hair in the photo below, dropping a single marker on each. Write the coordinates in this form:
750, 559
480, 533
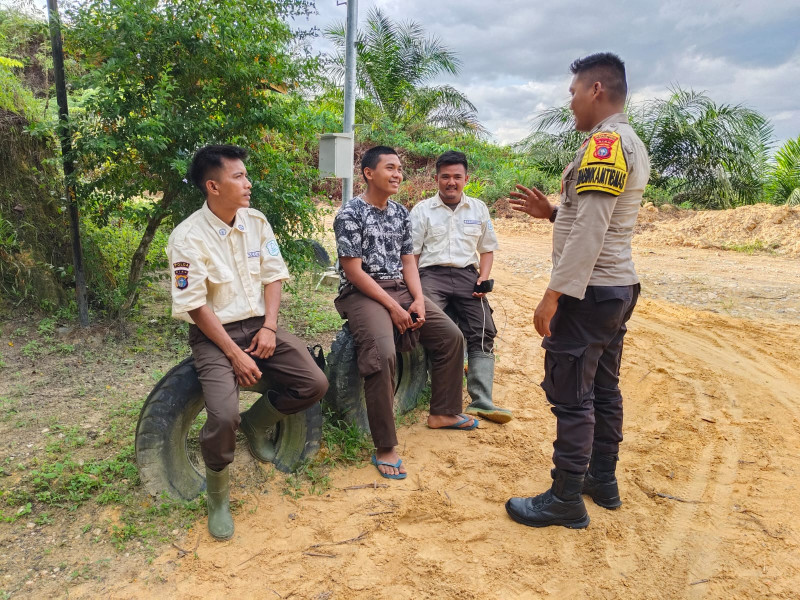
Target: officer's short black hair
209, 158
451, 157
608, 69
372, 157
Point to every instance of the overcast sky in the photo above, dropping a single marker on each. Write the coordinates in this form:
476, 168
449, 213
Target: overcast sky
515, 54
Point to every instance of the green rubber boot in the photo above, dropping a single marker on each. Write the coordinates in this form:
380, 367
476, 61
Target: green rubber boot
220, 521
480, 381
255, 424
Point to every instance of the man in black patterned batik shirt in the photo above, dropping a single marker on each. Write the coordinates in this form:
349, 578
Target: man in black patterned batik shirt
381, 296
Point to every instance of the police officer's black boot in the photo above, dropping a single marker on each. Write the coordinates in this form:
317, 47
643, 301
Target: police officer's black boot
600, 483
255, 425
562, 504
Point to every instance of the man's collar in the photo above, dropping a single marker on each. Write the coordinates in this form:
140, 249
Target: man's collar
620, 117
220, 226
439, 202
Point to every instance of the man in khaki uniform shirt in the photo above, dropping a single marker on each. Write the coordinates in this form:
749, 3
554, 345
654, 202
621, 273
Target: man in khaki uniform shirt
454, 244
227, 274
591, 295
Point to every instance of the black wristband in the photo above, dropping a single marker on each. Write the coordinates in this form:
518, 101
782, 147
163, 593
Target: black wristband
552, 217
275, 331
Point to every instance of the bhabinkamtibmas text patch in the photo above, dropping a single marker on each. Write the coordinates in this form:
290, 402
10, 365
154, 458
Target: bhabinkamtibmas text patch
603, 167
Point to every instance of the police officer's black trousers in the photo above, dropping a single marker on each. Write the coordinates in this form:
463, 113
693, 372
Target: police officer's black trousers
581, 377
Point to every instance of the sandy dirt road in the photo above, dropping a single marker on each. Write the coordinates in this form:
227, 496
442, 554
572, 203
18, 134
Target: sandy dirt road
709, 471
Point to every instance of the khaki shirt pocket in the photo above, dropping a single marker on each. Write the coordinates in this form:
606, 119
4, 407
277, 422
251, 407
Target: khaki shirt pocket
220, 288
568, 184
438, 232
472, 230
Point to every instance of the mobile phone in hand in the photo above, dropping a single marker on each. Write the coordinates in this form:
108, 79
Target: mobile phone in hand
484, 286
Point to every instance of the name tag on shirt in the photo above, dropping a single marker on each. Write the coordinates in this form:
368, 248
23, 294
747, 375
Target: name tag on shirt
471, 222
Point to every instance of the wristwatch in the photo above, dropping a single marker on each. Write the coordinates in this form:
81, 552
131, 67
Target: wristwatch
553, 214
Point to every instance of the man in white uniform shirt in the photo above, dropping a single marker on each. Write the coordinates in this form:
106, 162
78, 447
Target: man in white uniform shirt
454, 244
227, 277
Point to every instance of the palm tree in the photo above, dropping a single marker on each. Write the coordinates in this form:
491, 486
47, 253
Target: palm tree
553, 140
395, 63
712, 155
784, 178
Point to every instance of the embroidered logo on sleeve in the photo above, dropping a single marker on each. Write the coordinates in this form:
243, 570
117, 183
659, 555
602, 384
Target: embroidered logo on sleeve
181, 279
272, 248
603, 167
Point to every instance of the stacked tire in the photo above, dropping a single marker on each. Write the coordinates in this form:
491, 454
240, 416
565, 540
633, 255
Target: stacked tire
346, 391
162, 434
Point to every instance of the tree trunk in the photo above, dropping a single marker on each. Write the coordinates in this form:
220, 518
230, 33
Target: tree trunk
139, 257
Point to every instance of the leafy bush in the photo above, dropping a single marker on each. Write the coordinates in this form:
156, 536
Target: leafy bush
107, 260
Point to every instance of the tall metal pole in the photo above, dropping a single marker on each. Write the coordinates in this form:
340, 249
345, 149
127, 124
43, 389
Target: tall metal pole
350, 86
66, 148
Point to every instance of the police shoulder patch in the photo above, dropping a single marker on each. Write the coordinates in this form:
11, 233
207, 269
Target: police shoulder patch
603, 167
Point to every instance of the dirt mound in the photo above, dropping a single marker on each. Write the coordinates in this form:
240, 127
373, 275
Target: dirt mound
760, 227
752, 228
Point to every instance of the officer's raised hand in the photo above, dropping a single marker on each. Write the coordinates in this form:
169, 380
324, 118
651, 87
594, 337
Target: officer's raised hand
531, 201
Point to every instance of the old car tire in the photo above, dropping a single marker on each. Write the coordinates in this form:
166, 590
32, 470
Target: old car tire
165, 421
346, 391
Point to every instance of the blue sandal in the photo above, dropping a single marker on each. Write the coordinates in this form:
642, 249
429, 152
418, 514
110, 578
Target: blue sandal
460, 423
399, 462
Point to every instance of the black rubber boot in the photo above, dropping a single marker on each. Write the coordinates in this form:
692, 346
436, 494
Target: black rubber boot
255, 425
600, 483
562, 504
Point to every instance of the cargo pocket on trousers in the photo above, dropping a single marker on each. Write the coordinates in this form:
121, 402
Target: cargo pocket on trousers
563, 372
368, 359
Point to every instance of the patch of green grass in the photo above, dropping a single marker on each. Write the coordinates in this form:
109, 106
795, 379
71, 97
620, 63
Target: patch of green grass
43, 519
345, 443
311, 477
63, 348
8, 408
753, 247
47, 326
33, 349
413, 416
61, 438
67, 483
310, 312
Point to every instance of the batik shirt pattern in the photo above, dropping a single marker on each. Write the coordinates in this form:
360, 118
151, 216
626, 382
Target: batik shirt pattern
377, 236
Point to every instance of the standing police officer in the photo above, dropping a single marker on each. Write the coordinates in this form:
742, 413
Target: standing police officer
454, 244
591, 295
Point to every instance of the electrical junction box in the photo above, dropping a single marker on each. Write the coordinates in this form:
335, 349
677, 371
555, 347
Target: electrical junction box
336, 155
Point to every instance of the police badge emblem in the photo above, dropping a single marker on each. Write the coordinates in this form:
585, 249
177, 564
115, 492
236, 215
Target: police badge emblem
181, 279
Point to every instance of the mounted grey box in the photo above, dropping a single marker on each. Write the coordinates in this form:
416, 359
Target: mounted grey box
336, 155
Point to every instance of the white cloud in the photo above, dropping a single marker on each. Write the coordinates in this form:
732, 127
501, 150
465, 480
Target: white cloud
516, 54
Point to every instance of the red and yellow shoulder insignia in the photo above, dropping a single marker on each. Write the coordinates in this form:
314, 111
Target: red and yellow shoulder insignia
603, 167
